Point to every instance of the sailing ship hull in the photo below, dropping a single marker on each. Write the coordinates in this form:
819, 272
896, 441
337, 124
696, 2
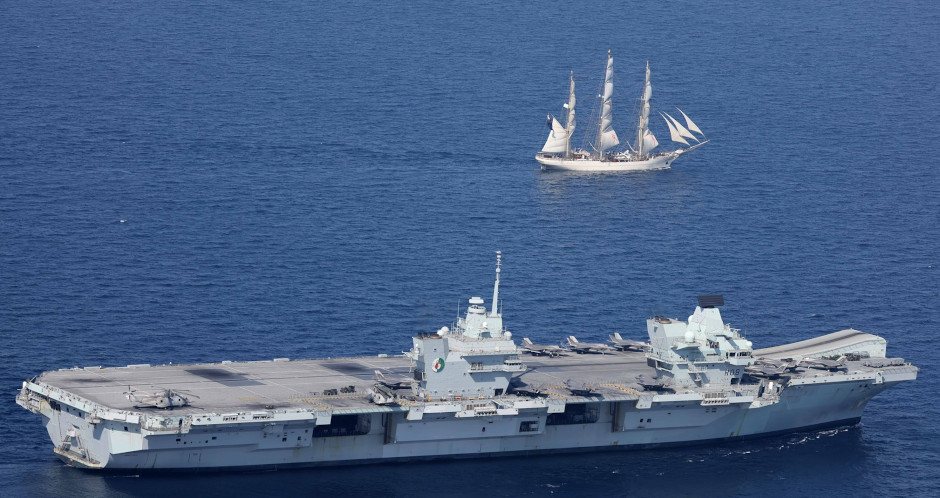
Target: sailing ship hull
613, 164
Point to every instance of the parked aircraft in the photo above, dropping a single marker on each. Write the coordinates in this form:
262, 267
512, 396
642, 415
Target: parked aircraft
655, 384
162, 398
627, 344
822, 364
588, 347
769, 368
540, 349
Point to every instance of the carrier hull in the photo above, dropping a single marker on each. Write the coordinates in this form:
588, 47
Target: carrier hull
305, 430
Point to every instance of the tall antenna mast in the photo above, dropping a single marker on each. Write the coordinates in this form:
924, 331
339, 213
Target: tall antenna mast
499, 259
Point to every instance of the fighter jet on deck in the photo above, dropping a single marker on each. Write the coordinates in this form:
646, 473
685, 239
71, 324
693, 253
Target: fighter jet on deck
588, 347
540, 349
627, 344
656, 384
769, 368
821, 364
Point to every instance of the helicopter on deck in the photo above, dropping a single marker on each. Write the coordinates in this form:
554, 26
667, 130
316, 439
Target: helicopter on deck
159, 398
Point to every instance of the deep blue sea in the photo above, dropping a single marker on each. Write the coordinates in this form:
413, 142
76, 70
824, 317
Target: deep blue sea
205, 181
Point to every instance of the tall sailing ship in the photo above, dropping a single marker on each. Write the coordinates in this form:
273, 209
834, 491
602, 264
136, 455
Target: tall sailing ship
558, 154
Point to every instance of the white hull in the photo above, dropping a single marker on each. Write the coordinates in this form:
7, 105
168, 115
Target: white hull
569, 164
657, 162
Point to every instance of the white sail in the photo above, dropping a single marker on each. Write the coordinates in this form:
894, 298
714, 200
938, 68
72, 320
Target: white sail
560, 136
643, 125
606, 137
557, 138
649, 142
673, 133
607, 140
681, 129
570, 106
689, 124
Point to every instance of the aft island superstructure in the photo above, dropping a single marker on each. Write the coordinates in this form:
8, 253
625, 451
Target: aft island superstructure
463, 391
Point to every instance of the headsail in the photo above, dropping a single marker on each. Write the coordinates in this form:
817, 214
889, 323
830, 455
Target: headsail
643, 126
681, 129
673, 133
689, 124
606, 136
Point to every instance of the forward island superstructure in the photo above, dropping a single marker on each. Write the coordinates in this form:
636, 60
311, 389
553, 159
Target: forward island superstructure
463, 391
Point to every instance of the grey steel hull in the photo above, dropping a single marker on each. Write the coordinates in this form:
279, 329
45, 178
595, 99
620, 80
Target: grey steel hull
509, 453
392, 437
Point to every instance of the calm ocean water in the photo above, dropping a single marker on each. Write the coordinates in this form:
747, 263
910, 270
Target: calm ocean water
248, 180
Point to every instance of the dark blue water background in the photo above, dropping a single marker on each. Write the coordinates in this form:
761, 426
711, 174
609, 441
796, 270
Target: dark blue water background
206, 181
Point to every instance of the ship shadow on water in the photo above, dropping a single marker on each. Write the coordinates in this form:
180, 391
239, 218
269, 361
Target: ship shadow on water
708, 470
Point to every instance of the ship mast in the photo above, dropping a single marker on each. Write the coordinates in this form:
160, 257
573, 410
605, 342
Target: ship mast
499, 258
570, 123
643, 125
606, 136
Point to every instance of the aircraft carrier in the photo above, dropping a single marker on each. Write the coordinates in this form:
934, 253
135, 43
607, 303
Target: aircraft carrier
467, 390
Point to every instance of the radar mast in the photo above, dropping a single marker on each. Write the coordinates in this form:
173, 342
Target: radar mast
499, 259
